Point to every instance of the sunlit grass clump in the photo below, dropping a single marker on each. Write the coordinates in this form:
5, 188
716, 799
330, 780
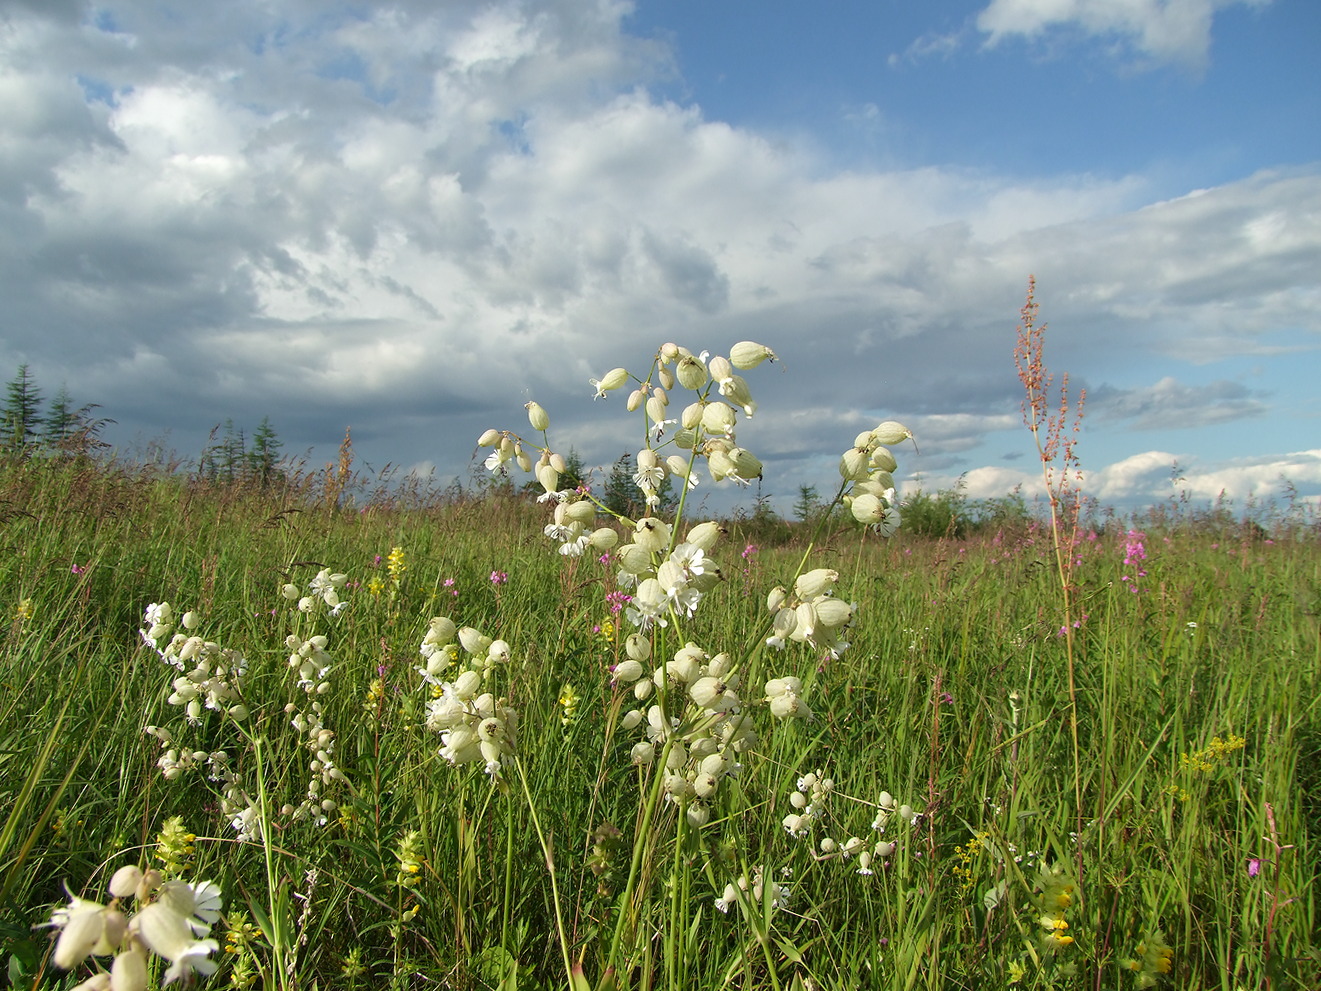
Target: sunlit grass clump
513, 739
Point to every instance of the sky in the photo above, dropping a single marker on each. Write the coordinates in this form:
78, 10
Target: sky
412, 218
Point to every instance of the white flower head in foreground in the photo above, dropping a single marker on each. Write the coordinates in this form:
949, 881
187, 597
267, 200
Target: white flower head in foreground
166, 925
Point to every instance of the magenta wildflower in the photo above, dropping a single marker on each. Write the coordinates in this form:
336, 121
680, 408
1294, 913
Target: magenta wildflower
1254, 866
499, 577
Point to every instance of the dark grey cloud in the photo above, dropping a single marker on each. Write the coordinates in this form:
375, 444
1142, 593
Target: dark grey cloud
1172, 405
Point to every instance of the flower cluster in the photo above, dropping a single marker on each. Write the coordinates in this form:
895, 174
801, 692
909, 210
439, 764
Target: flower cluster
319, 740
1135, 552
474, 725
705, 430
1153, 957
170, 918
1213, 755
323, 591
811, 613
1055, 892
810, 802
868, 465
666, 580
211, 675
757, 888
698, 727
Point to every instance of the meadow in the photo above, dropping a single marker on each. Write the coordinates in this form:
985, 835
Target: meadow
413, 742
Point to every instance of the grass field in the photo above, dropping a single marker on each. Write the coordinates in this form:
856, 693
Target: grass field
912, 813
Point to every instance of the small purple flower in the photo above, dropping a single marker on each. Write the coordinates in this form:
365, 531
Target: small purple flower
499, 577
1254, 866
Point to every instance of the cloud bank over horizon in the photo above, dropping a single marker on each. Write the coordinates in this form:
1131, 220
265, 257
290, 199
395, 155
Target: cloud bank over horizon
411, 221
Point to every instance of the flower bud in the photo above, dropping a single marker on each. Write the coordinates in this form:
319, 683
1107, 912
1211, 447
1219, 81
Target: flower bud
583, 511
635, 399
125, 881
490, 438
737, 392
628, 671
686, 439
746, 354
129, 971
548, 477
637, 647
604, 538
832, 613
883, 460
473, 641
891, 432
718, 418
652, 534
665, 377
559, 464
634, 559
746, 465
779, 686
537, 416
613, 379
669, 351
853, 465
655, 410
817, 582
705, 535
690, 372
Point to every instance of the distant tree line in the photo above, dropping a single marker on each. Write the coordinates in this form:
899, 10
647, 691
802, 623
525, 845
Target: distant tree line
62, 427
29, 426
232, 456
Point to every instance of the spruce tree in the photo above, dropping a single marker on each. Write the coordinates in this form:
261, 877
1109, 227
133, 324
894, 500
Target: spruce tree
263, 458
21, 417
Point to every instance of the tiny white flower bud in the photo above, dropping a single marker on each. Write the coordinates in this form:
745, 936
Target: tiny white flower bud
891, 432
718, 418
125, 881
472, 641
883, 460
635, 399
652, 534
690, 372
537, 416
129, 971
548, 477
779, 686
853, 466
816, 582
655, 410
747, 354
491, 438
604, 538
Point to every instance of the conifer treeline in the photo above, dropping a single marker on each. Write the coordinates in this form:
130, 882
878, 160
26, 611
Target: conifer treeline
28, 426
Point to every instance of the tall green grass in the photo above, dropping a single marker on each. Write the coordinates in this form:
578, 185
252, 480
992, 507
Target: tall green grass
953, 697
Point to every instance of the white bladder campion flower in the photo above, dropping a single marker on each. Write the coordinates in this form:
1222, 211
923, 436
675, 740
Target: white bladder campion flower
165, 925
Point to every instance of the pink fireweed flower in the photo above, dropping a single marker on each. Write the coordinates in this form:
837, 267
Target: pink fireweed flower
499, 577
1254, 866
